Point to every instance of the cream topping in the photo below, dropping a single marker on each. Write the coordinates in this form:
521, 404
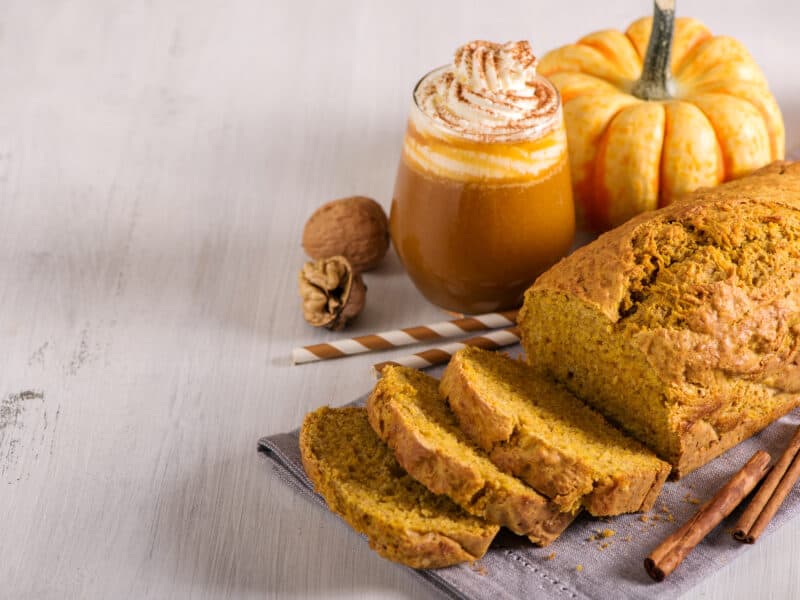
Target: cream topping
490, 93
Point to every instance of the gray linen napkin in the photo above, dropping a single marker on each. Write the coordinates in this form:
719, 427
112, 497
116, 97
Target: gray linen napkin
581, 563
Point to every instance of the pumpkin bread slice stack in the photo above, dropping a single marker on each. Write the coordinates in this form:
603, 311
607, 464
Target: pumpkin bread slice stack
361, 481
538, 431
409, 414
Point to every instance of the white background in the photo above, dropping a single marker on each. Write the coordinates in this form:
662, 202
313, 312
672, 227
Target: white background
157, 162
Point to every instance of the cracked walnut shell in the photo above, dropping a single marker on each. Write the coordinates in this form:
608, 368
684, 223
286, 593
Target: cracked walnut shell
354, 227
333, 293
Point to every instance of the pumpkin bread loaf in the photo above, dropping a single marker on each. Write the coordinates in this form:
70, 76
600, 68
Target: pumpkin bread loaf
407, 412
361, 481
543, 434
682, 326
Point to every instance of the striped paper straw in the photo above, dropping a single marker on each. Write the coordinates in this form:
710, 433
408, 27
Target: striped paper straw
437, 356
403, 337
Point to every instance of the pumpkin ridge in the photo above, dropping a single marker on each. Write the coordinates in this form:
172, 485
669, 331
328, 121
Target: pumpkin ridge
571, 67
661, 195
644, 122
641, 49
678, 64
690, 55
759, 97
661, 158
591, 85
724, 162
630, 39
598, 210
683, 26
586, 136
744, 137
775, 154
683, 170
735, 53
607, 53
599, 48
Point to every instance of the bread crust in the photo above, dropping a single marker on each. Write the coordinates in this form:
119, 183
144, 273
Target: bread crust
428, 549
455, 473
518, 450
702, 444
731, 364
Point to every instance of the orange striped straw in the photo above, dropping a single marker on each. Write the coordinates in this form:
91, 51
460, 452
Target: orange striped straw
437, 356
403, 337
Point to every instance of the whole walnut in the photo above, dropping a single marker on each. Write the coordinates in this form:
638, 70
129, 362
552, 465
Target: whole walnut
354, 227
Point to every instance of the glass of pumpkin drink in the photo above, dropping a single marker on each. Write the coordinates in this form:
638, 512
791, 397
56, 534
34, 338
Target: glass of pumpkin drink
482, 203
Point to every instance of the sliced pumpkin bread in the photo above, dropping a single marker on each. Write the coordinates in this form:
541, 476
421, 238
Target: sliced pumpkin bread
409, 414
362, 482
541, 433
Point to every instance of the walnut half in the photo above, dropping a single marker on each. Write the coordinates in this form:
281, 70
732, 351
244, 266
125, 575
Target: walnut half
333, 294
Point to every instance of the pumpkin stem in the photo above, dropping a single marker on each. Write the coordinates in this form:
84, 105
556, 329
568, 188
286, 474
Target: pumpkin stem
655, 82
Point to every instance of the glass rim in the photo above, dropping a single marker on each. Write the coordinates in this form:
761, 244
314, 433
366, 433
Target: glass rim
517, 138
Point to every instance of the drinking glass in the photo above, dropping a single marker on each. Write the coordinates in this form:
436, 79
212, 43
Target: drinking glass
475, 221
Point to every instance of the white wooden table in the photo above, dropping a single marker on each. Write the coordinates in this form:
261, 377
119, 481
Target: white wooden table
157, 162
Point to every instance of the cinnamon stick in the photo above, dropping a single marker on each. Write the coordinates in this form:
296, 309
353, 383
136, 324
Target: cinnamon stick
771, 494
670, 553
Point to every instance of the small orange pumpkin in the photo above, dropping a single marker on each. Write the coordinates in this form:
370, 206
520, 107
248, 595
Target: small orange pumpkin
647, 122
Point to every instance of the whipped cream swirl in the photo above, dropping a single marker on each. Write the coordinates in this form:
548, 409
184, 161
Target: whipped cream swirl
491, 93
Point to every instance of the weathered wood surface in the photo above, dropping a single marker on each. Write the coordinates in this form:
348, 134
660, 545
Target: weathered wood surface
157, 162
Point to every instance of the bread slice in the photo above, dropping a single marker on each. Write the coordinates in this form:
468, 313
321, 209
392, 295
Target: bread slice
543, 434
361, 481
410, 415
